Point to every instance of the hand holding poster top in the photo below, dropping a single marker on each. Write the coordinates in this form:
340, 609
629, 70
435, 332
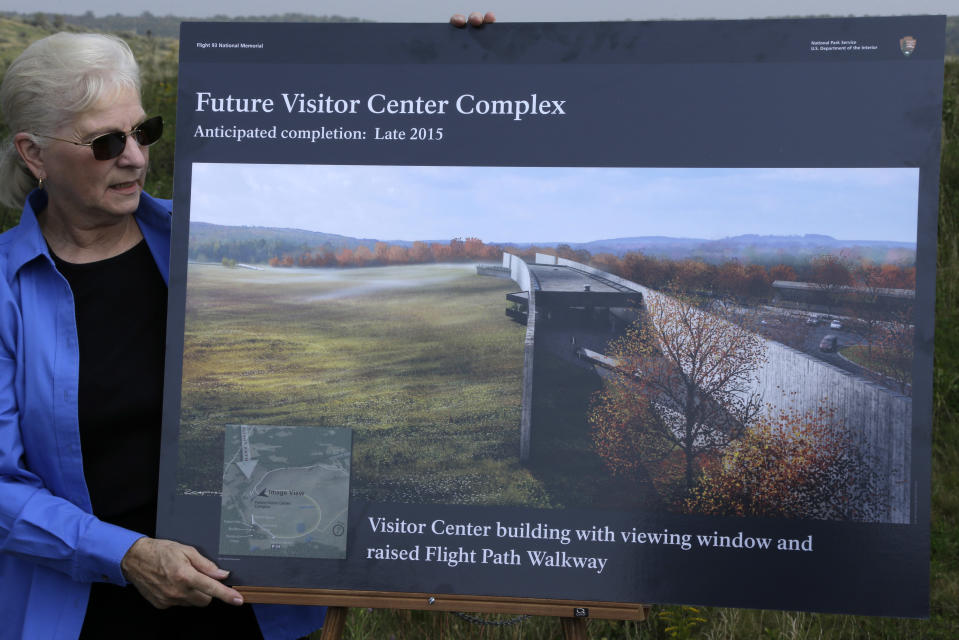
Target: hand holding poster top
537, 313
475, 19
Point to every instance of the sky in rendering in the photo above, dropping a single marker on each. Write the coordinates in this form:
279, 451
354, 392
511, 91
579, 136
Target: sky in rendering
548, 204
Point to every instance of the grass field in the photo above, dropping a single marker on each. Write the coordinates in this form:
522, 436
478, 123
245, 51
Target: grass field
875, 360
419, 360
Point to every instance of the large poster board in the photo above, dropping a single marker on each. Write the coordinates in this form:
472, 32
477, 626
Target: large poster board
632, 312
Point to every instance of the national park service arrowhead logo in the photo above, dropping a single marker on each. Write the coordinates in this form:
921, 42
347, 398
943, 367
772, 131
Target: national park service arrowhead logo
907, 44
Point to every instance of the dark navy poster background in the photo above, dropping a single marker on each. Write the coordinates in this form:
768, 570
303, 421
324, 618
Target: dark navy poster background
698, 94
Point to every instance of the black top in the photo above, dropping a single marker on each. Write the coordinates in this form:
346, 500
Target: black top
120, 307
121, 325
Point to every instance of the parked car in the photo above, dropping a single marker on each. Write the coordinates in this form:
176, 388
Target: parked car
812, 320
829, 343
835, 324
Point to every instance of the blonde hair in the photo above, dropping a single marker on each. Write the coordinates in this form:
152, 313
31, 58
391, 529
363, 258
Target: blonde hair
52, 82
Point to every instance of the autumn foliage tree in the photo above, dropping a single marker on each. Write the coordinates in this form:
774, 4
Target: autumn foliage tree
782, 272
830, 271
792, 465
895, 349
682, 389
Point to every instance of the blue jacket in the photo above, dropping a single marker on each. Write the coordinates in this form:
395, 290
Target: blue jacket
51, 546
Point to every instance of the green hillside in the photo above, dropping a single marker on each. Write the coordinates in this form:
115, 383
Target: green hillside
952, 37
148, 24
212, 243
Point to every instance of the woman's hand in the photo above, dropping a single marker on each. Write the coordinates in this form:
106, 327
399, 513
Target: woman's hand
475, 19
168, 574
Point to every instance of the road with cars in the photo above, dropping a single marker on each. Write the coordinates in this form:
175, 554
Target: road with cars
805, 331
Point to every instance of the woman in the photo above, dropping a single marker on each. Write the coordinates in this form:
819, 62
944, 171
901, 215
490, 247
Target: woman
83, 302
82, 338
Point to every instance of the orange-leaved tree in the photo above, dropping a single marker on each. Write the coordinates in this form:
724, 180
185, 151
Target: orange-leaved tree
893, 358
792, 464
683, 381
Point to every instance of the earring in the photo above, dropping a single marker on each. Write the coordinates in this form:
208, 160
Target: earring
40, 183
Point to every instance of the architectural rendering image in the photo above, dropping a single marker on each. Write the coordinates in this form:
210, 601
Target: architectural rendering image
730, 342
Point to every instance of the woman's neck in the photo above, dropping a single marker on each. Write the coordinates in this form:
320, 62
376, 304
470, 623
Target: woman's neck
82, 243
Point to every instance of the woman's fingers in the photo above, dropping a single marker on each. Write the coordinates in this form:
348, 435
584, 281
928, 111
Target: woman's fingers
475, 19
170, 574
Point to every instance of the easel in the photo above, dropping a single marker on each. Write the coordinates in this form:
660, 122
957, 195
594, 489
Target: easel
334, 623
573, 614
573, 628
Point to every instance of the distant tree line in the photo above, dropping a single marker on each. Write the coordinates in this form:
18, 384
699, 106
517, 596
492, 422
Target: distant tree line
147, 23
258, 250
385, 254
743, 281
729, 279
733, 278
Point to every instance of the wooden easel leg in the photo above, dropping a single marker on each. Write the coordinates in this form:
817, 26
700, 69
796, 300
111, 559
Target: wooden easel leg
335, 621
574, 628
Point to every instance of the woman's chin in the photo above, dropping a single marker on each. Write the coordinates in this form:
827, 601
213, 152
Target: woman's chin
122, 199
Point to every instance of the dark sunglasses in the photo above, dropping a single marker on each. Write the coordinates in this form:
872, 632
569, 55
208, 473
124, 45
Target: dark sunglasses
110, 145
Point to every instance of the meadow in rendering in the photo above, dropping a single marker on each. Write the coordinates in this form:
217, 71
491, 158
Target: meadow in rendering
419, 360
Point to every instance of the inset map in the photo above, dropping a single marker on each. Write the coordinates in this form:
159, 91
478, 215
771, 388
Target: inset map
285, 491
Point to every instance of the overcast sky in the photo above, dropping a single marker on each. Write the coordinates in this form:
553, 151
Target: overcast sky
514, 11
510, 204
